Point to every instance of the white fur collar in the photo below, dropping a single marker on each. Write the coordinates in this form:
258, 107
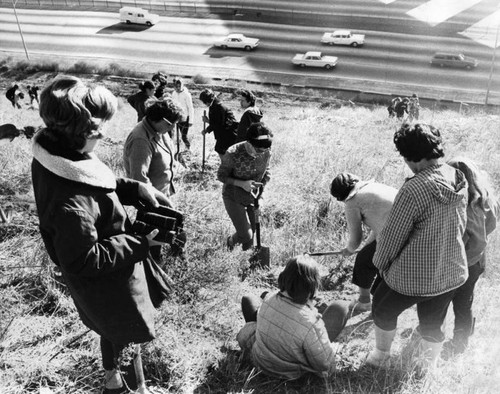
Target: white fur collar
90, 172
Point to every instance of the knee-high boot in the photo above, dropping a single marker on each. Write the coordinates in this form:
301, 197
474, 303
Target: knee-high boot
380, 356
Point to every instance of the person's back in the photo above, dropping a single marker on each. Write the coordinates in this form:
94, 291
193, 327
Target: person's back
436, 199
291, 339
373, 201
223, 124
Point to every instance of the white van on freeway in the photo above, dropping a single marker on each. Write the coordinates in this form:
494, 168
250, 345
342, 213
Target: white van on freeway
138, 15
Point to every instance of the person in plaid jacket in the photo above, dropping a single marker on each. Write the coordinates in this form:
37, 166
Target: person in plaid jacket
420, 254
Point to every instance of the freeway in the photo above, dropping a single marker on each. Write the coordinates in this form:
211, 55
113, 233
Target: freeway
387, 58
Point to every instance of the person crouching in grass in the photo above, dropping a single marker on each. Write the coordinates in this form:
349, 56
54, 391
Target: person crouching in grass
286, 335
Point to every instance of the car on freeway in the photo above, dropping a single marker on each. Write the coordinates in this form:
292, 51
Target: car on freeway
455, 60
237, 41
138, 15
343, 37
314, 59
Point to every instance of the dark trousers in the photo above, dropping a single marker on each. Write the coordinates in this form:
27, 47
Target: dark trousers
183, 128
243, 218
110, 354
462, 304
364, 271
388, 304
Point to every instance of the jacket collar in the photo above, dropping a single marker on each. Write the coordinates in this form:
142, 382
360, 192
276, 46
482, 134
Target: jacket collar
89, 171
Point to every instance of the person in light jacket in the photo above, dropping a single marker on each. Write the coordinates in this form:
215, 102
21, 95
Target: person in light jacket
106, 267
286, 335
183, 98
148, 154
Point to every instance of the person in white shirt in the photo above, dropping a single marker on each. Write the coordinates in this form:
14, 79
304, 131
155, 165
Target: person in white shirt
183, 98
366, 203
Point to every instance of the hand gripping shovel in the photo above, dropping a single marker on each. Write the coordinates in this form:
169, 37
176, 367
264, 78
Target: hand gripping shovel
262, 255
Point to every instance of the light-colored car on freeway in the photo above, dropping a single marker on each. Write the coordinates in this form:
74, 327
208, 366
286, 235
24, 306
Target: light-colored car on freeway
238, 41
138, 15
343, 37
314, 59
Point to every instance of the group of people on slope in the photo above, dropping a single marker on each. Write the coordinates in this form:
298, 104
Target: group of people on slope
426, 247
116, 283
111, 272
15, 95
400, 107
243, 147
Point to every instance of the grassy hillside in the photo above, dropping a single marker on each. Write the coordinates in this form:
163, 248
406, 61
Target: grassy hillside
43, 343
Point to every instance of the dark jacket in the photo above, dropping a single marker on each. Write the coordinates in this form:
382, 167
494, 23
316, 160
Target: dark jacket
223, 124
138, 101
11, 93
87, 233
251, 115
160, 91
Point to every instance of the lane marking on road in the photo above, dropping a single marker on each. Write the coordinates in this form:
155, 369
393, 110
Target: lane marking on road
436, 11
387, 1
486, 31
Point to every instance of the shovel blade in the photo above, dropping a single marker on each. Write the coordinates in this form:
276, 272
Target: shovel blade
261, 258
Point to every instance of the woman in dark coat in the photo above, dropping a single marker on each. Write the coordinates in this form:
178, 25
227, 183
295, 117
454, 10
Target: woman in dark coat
220, 120
138, 100
107, 268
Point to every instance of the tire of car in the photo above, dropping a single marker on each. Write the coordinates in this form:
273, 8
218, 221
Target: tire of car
331, 43
328, 66
468, 67
248, 48
128, 22
149, 23
354, 44
223, 46
302, 65
441, 65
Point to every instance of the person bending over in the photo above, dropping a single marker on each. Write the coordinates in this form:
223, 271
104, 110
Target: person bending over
368, 203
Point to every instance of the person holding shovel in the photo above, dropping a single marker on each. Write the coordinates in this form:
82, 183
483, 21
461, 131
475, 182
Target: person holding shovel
366, 203
244, 171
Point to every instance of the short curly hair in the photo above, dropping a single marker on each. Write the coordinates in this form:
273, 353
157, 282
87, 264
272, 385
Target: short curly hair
71, 110
419, 141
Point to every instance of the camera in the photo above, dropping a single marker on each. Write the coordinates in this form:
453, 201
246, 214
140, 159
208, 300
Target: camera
169, 221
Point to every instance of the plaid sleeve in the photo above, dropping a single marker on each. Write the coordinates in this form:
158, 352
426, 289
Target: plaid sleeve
396, 230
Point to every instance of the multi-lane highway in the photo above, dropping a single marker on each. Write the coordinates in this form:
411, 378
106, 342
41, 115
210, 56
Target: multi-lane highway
388, 57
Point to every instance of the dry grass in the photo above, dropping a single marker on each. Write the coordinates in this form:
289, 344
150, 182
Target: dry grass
42, 342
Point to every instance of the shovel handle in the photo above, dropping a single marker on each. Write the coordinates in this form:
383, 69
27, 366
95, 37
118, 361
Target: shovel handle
204, 131
329, 253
